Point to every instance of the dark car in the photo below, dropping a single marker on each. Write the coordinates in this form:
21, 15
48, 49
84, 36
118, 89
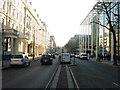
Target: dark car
46, 59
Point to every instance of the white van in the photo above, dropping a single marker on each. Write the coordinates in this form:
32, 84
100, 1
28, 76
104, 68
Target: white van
65, 58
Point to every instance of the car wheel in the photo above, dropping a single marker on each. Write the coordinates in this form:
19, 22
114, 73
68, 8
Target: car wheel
24, 64
29, 63
41, 63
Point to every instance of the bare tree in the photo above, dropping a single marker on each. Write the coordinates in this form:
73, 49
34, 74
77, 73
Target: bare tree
71, 46
107, 8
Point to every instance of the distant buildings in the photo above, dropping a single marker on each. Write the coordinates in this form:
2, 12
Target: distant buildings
75, 42
52, 44
21, 29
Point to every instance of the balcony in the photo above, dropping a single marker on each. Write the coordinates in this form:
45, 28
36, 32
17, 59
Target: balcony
12, 32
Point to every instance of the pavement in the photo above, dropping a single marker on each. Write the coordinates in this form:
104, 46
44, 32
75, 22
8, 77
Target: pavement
104, 62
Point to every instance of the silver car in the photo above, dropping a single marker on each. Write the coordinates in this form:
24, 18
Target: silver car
20, 59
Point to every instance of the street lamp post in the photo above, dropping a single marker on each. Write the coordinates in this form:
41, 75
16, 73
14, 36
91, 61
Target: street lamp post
33, 51
3, 44
34, 45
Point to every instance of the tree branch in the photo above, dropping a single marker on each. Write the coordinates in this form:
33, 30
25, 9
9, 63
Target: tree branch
112, 7
100, 25
109, 19
115, 14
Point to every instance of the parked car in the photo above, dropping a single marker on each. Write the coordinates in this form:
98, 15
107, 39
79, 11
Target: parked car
46, 59
83, 56
19, 59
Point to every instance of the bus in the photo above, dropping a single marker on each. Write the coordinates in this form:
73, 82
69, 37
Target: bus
65, 58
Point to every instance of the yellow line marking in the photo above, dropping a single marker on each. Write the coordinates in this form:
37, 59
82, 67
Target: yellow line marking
74, 78
51, 77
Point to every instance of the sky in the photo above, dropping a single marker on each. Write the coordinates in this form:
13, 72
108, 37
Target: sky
62, 17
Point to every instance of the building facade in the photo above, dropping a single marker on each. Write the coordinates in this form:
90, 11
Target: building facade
21, 29
101, 37
52, 44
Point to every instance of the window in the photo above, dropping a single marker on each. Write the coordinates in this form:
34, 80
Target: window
17, 15
6, 44
4, 6
17, 56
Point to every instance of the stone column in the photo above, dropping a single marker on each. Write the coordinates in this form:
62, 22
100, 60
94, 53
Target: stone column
92, 39
85, 38
103, 36
24, 46
88, 37
16, 45
11, 46
0, 37
97, 33
82, 40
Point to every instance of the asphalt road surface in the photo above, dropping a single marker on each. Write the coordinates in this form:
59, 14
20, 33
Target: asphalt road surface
35, 76
91, 74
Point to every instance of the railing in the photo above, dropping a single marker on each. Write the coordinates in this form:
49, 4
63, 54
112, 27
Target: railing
11, 31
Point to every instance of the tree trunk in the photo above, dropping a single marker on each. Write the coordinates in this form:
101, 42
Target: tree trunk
114, 55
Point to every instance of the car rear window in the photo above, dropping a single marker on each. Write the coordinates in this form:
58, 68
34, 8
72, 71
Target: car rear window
66, 55
46, 56
17, 56
84, 54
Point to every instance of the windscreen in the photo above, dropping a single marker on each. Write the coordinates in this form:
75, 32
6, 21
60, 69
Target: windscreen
17, 56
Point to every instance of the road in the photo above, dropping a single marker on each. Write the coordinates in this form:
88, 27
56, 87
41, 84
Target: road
88, 74
91, 74
35, 76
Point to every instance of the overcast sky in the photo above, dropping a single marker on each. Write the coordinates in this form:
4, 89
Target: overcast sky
62, 17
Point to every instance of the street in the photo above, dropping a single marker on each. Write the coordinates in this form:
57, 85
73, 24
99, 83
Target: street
88, 74
91, 74
35, 76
